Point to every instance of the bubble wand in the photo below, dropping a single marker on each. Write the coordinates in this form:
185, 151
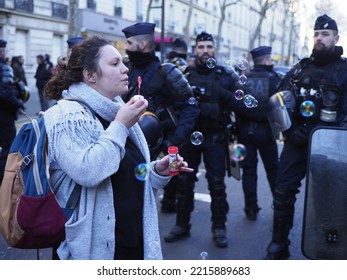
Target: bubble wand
138, 96
139, 81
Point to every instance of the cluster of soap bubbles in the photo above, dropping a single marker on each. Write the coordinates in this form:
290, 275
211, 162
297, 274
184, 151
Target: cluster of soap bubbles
142, 170
242, 64
237, 151
248, 99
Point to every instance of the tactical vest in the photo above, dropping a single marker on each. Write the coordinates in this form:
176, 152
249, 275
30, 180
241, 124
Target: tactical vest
258, 85
317, 92
210, 118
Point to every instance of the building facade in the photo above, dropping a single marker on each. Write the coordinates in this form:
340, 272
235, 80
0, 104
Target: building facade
33, 27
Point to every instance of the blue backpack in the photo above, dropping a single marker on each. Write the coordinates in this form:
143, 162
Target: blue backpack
30, 216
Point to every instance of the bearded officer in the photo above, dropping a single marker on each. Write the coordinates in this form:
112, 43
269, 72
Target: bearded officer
319, 86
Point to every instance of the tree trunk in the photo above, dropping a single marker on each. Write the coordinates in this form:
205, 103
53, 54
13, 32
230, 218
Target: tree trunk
74, 30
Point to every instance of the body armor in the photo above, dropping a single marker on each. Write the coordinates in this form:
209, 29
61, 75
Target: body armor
206, 93
317, 92
258, 85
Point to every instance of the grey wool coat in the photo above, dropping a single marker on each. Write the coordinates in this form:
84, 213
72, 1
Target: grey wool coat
81, 152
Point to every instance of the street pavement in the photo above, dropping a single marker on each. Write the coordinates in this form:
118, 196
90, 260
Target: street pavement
247, 239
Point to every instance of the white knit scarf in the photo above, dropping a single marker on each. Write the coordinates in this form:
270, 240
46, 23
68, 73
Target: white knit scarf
71, 119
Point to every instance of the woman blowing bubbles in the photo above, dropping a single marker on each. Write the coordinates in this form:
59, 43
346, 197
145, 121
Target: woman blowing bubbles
117, 216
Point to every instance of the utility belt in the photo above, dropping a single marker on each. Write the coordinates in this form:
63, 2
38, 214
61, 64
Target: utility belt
251, 125
251, 120
211, 132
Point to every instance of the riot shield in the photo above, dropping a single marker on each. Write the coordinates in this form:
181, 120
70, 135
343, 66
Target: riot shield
234, 169
232, 166
324, 233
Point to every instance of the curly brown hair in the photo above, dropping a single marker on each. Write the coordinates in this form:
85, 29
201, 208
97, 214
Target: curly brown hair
69, 71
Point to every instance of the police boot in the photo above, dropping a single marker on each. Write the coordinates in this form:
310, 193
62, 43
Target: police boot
282, 223
251, 208
219, 235
252, 212
278, 247
219, 208
277, 251
182, 228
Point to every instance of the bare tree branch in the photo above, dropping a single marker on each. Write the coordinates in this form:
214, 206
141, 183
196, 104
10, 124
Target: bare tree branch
223, 4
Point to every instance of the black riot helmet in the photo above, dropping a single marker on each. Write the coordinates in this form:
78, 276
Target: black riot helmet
152, 129
23, 91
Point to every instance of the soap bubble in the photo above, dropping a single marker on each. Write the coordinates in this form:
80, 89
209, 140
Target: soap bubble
203, 255
196, 138
239, 94
249, 101
242, 79
241, 63
238, 152
307, 108
142, 171
154, 251
192, 101
211, 63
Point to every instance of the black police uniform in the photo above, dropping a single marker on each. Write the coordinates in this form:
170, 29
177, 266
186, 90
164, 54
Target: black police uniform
320, 82
254, 132
168, 203
213, 91
9, 105
166, 89
167, 92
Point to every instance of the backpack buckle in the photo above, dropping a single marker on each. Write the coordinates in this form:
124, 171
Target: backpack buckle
27, 159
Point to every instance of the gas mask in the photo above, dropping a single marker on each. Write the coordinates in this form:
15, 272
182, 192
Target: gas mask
330, 99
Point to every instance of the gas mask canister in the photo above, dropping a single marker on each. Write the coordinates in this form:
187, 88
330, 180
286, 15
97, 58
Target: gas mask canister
330, 99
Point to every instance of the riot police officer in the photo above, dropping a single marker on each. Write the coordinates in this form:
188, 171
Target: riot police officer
163, 85
254, 130
10, 102
178, 56
213, 91
319, 86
